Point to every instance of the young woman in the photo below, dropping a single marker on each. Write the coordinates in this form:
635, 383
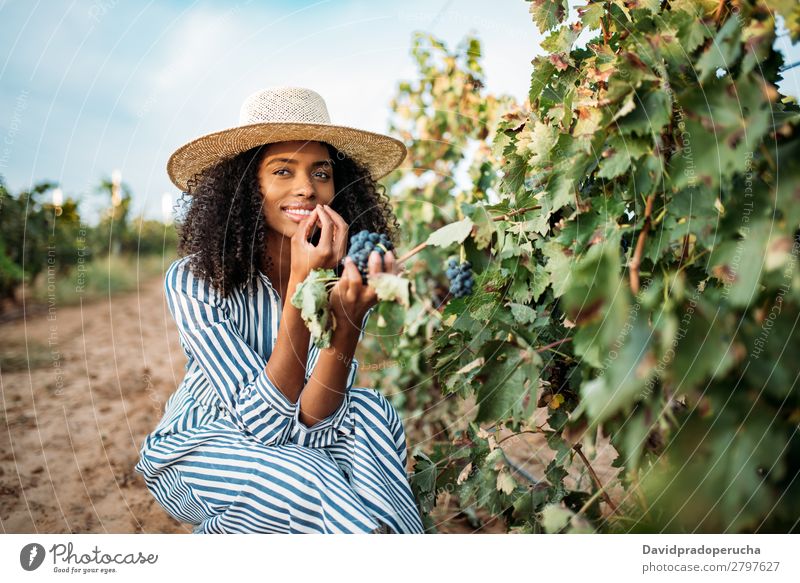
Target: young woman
267, 433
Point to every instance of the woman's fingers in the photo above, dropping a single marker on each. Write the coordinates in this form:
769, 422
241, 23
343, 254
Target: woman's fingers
326, 237
353, 277
307, 226
340, 231
374, 264
339, 222
389, 260
351, 272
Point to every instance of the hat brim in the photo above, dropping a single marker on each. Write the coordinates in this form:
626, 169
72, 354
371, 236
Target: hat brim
378, 153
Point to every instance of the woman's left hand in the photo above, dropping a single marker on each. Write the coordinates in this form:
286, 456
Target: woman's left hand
351, 299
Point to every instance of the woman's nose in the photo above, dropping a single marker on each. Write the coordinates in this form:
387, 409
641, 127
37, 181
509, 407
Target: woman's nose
304, 185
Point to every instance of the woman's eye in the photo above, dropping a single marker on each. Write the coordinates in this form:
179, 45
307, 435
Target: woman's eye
321, 174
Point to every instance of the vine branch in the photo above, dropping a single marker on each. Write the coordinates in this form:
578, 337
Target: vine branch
637, 255
539, 429
579, 449
503, 217
553, 344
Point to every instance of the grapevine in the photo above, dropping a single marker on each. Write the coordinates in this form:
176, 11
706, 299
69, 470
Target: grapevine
644, 292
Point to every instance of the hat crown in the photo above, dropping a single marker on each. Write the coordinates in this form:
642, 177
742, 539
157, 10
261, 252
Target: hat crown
284, 104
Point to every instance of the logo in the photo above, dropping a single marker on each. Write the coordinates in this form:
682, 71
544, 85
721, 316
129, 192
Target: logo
31, 556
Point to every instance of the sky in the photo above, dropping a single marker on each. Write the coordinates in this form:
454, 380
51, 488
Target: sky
90, 86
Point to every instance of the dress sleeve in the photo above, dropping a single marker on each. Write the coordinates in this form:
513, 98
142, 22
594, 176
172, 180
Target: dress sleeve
325, 432
233, 369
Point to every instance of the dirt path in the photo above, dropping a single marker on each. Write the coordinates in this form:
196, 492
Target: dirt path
73, 421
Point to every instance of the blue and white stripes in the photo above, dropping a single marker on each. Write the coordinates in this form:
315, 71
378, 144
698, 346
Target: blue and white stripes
230, 453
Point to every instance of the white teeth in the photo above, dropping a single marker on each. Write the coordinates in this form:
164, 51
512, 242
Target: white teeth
297, 211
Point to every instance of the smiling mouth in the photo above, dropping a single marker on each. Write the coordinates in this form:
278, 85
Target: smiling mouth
295, 214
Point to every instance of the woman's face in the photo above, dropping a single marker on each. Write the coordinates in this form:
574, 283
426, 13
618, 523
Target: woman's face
294, 178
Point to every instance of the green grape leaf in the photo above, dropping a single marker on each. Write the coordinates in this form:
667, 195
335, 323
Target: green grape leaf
739, 264
423, 482
560, 40
548, 14
723, 53
543, 70
311, 298
652, 112
591, 14
555, 518
771, 364
722, 470
451, 233
484, 226
630, 368
523, 314
594, 282
722, 134
559, 266
703, 348
617, 158
505, 376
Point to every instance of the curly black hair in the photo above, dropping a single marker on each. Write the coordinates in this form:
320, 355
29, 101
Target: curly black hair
222, 224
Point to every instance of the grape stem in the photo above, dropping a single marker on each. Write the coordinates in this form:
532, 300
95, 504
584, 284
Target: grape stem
532, 431
579, 449
413, 252
633, 266
503, 217
553, 344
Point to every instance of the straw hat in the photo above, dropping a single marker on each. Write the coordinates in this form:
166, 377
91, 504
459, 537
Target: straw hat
279, 114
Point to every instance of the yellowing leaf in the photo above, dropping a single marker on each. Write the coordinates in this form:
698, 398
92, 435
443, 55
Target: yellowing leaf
588, 121
470, 366
505, 481
462, 477
543, 139
391, 288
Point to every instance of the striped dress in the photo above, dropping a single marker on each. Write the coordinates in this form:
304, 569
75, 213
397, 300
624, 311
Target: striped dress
230, 453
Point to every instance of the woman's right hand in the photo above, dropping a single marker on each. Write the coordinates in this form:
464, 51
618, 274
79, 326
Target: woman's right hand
328, 252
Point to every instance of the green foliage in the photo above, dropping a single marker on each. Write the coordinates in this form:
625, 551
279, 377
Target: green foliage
41, 241
311, 298
25, 227
548, 13
635, 236
451, 233
444, 115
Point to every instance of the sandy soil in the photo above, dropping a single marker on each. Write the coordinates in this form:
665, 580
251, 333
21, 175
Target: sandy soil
83, 385
99, 377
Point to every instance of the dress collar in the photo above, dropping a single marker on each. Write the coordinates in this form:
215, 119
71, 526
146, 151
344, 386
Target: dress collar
265, 278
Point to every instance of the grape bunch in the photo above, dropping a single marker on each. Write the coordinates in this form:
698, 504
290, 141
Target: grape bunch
362, 244
461, 278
